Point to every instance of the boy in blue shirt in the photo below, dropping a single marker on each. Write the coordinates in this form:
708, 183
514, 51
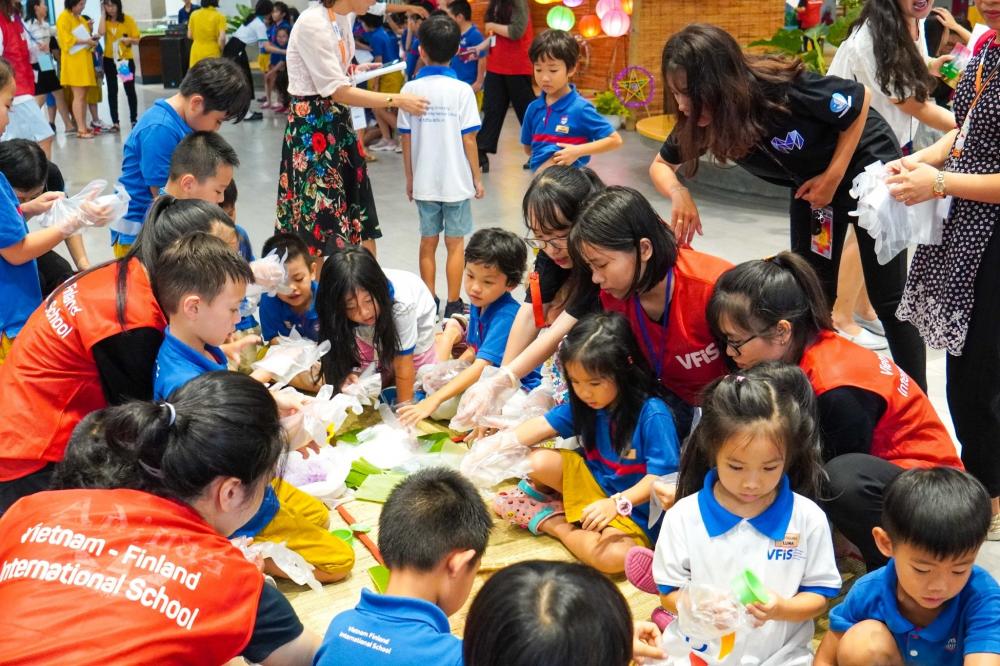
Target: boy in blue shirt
930, 605
296, 308
561, 127
495, 260
385, 50
432, 533
467, 63
212, 91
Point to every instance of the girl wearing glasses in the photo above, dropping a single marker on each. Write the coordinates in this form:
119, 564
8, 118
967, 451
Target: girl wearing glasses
875, 420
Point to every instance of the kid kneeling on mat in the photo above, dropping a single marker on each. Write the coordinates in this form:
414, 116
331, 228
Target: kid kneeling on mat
628, 439
432, 532
200, 282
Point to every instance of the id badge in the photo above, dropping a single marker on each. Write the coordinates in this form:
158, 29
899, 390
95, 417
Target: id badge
956, 150
822, 232
358, 119
45, 62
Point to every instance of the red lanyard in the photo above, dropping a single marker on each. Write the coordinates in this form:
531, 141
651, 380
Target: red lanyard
535, 287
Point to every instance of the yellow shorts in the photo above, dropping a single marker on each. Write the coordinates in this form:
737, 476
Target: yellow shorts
391, 84
302, 523
94, 93
120, 249
5, 345
479, 100
581, 489
263, 61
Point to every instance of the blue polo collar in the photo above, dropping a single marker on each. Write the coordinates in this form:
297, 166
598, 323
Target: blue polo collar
191, 354
937, 631
436, 70
773, 522
563, 102
407, 609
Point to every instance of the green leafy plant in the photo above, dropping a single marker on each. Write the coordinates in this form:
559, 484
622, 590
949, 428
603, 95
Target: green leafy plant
808, 44
234, 22
608, 104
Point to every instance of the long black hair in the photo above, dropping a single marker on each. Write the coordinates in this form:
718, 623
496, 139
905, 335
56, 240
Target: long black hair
757, 294
556, 195
602, 343
218, 424
24, 164
344, 273
29, 9
901, 72
618, 218
501, 11
774, 400
539, 612
168, 219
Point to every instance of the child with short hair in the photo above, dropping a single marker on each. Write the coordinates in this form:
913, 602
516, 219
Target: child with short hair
440, 156
495, 260
468, 64
212, 91
930, 604
201, 167
561, 127
385, 49
432, 532
754, 450
297, 308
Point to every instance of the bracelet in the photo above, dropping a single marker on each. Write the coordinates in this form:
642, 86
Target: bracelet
388, 100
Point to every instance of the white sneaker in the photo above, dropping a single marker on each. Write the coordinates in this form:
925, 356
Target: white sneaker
872, 325
994, 533
384, 146
866, 339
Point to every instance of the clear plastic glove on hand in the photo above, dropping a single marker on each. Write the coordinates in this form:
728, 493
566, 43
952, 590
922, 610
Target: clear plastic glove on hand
290, 356
87, 208
485, 397
496, 458
269, 275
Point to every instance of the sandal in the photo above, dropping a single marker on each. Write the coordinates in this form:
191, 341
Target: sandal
534, 493
639, 569
523, 511
85, 135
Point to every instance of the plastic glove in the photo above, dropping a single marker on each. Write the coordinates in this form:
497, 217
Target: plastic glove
270, 275
489, 394
86, 209
496, 458
292, 355
366, 387
435, 375
706, 612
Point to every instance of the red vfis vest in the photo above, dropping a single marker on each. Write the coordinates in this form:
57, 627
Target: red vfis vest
909, 434
15, 51
120, 577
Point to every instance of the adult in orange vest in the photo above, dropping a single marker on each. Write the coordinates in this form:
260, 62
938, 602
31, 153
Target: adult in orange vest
875, 421
91, 344
129, 564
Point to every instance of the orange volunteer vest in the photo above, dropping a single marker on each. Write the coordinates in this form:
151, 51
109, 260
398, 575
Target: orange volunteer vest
50, 381
692, 357
120, 577
909, 434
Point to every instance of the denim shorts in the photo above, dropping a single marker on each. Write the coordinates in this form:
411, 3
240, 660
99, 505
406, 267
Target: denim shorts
454, 218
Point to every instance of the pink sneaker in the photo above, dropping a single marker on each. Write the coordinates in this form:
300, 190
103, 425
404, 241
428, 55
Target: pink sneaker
639, 569
265, 105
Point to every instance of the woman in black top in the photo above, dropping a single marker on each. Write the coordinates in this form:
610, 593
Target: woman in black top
811, 133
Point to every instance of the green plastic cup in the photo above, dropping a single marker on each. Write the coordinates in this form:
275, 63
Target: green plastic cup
344, 535
749, 589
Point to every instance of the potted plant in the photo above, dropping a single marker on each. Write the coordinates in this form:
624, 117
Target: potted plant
611, 108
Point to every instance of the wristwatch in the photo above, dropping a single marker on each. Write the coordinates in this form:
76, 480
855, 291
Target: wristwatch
388, 100
622, 504
938, 188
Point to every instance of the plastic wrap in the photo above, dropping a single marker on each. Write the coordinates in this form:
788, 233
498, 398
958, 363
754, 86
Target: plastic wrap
483, 399
270, 276
290, 356
321, 475
87, 208
706, 612
367, 388
313, 422
496, 458
656, 507
434, 376
286, 559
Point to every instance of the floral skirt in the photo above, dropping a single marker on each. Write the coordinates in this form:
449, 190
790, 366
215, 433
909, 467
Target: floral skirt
324, 195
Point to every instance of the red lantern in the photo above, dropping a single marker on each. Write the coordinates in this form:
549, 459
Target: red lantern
616, 23
589, 26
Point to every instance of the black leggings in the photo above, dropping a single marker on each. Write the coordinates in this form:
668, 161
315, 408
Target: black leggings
852, 499
236, 51
884, 283
36, 482
973, 383
111, 76
499, 92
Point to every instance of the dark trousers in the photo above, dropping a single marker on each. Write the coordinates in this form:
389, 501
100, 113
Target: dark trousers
973, 379
885, 283
53, 270
499, 92
236, 50
853, 499
111, 76
36, 482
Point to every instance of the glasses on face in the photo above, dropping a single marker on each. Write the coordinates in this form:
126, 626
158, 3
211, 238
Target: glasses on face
736, 346
556, 242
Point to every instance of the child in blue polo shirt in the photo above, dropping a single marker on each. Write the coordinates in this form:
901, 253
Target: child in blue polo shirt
212, 91
432, 532
930, 605
561, 127
467, 63
495, 260
297, 308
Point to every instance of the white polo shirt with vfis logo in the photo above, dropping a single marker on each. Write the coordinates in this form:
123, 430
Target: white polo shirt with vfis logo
788, 547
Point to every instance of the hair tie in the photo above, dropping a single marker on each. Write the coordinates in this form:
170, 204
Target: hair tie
172, 411
629, 359
739, 378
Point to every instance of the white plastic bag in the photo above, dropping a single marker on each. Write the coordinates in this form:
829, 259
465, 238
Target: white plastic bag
496, 458
520, 407
434, 376
707, 612
321, 475
286, 559
270, 276
87, 208
317, 415
290, 356
484, 398
368, 387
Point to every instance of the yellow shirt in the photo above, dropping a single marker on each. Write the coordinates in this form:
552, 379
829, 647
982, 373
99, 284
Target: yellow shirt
115, 30
205, 26
75, 69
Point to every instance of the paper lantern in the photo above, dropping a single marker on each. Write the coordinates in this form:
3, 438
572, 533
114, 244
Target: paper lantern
627, 7
546, 2
560, 18
616, 23
589, 26
605, 6
572, 3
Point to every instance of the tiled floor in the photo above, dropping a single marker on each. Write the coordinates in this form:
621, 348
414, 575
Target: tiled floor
736, 228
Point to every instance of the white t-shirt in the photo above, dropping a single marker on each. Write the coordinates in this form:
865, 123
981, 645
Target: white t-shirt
413, 310
788, 547
441, 171
855, 59
253, 32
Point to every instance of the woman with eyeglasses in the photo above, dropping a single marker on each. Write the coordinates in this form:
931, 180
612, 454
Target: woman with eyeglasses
874, 420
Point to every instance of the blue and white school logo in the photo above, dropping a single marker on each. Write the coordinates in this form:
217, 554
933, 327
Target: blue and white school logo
840, 104
951, 644
791, 141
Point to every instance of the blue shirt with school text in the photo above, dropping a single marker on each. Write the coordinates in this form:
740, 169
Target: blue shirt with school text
384, 44
571, 119
489, 330
384, 629
177, 363
22, 292
967, 624
277, 318
655, 450
146, 163
466, 62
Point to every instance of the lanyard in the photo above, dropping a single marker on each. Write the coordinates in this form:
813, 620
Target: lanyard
344, 62
535, 287
640, 317
981, 86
